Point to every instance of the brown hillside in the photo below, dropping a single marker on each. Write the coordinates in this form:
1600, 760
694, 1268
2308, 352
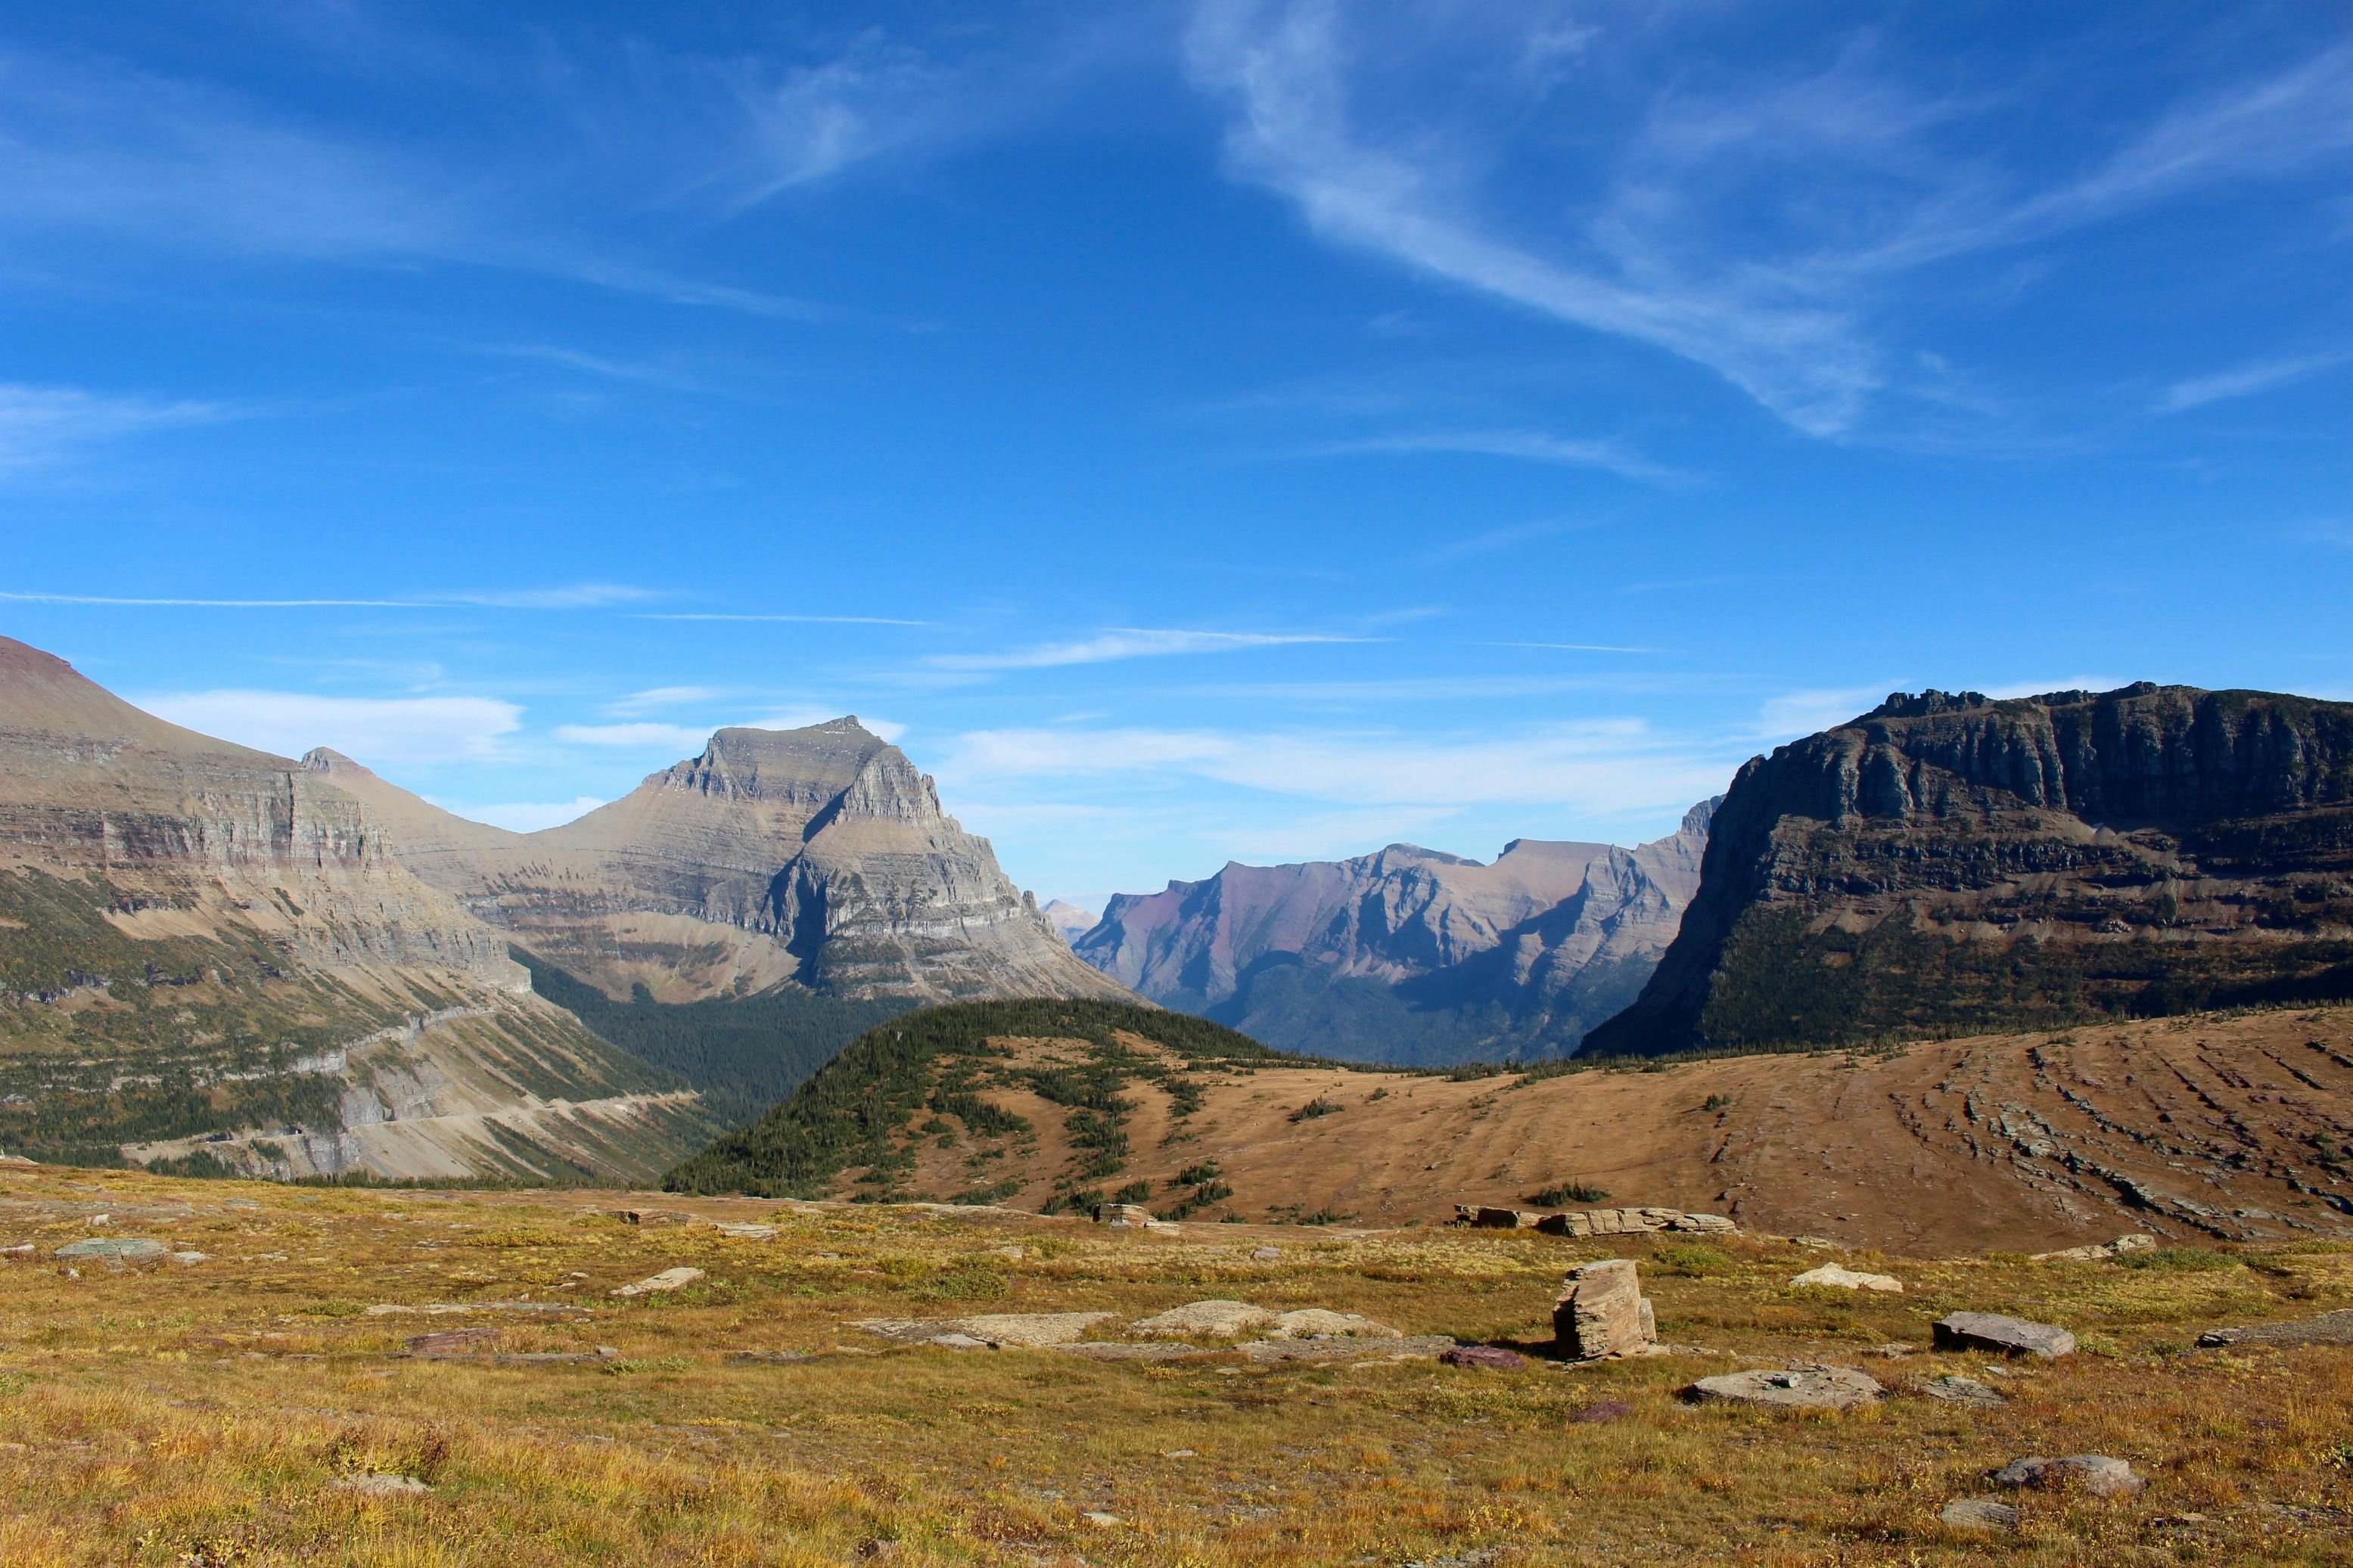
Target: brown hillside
2211, 1126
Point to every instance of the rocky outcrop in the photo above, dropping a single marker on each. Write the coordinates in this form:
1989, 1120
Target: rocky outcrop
1411, 956
1949, 863
818, 856
211, 958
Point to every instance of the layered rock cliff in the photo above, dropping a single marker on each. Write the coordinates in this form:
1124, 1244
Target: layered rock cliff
209, 944
1411, 956
1946, 864
818, 856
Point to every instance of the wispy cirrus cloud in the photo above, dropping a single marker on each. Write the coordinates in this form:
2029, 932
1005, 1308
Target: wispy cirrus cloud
2245, 381
1758, 224
1130, 642
1283, 66
637, 735
1531, 446
1604, 768
657, 699
788, 619
577, 596
1808, 712
41, 426
381, 731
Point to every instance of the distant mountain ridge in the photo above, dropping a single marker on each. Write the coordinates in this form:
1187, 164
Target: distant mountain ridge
819, 856
210, 959
1953, 863
1411, 956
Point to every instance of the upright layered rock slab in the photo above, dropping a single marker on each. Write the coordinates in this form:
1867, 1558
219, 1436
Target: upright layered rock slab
1602, 1312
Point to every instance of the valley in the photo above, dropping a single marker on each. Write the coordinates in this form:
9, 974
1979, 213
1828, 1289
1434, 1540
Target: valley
2197, 1130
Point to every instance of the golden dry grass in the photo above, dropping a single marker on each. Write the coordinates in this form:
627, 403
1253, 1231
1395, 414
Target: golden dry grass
202, 1414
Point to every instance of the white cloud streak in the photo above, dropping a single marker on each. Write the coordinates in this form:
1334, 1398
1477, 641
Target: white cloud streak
1530, 445
584, 596
811, 620
641, 736
1129, 642
2245, 381
44, 424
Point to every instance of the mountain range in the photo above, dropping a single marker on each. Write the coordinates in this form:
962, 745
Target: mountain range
1410, 956
216, 959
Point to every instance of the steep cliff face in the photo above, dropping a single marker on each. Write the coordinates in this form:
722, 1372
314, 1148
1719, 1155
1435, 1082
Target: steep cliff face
210, 944
1947, 863
818, 856
1411, 956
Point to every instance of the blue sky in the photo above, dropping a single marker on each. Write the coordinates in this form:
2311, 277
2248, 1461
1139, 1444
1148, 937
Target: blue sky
1247, 428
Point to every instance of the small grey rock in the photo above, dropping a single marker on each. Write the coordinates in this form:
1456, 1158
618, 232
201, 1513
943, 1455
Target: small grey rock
1980, 1513
2013, 1336
2099, 1475
958, 1342
1962, 1391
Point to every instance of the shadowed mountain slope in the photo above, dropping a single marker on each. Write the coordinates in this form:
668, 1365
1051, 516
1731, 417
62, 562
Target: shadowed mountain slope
1947, 864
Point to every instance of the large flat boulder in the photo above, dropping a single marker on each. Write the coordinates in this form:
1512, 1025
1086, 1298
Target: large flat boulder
1798, 1388
2004, 1335
1204, 1319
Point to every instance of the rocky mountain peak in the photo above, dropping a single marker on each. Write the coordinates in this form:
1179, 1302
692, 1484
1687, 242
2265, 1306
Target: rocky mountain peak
808, 766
